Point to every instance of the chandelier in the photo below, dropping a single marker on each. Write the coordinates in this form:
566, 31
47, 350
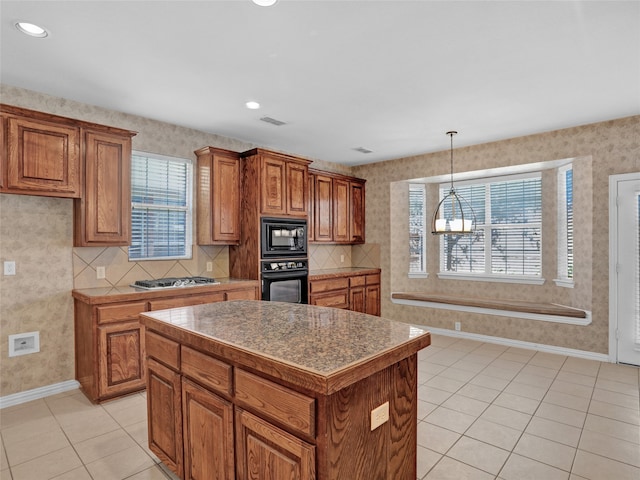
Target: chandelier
461, 219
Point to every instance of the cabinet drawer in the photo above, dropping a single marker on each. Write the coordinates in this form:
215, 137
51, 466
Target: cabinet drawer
318, 286
206, 370
186, 301
357, 281
162, 349
279, 403
335, 300
247, 294
373, 279
120, 312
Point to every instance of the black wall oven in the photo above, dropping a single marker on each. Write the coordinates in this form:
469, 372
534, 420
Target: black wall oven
283, 237
285, 280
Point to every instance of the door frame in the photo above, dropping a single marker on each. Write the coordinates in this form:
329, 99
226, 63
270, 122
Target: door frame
613, 257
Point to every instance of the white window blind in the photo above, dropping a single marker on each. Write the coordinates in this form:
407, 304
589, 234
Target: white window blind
417, 228
160, 207
508, 237
565, 223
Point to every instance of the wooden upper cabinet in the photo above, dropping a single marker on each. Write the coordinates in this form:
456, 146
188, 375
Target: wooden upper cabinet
282, 182
341, 210
338, 208
273, 187
43, 154
296, 188
218, 196
356, 217
103, 214
323, 209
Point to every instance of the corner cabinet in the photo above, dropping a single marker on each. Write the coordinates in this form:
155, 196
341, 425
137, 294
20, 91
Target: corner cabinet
337, 206
110, 343
42, 154
281, 181
218, 196
102, 217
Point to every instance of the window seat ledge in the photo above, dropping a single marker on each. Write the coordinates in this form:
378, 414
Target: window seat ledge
550, 312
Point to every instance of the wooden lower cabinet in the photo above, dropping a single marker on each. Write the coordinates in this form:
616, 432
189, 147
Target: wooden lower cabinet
165, 415
231, 424
110, 341
121, 368
208, 434
265, 452
350, 291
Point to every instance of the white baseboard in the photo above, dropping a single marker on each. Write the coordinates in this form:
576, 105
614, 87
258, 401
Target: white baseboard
36, 393
570, 352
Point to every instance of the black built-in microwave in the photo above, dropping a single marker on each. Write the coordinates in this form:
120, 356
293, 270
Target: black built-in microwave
283, 237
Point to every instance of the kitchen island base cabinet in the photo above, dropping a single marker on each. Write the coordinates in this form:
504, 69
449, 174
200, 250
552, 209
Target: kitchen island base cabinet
289, 423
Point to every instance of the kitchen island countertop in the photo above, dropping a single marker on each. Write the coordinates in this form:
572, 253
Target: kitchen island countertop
319, 348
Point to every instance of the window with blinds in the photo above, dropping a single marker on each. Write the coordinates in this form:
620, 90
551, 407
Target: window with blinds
565, 223
417, 228
160, 207
508, 236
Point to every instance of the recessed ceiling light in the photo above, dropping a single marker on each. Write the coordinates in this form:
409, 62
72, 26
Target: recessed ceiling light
265, 3
31, 29
252, 105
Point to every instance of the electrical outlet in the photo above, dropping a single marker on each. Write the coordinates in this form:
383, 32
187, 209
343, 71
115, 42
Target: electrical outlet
9, 268
457, 324
379, 415
341, 258
209, 266
100, 273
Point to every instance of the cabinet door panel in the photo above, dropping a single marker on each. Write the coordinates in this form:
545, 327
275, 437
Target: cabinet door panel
323, 214
356, 220
43, 158
226, 199
121, 367
273, 187
340, 211
164, 415
265, 452
103, 215
372, 300
208, 435
357, 299
296, 185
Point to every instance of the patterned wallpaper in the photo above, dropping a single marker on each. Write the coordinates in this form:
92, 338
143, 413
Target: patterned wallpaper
36, 232
600, 150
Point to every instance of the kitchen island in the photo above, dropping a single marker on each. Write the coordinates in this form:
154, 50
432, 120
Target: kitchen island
269, 390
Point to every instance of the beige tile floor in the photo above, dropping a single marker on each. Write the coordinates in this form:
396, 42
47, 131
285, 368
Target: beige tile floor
485, 412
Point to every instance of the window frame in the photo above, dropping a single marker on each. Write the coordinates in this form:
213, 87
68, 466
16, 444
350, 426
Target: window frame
486, 275
425, 229
187, 208
565, 237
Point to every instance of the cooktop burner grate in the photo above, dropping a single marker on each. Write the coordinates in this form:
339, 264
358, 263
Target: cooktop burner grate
173, 282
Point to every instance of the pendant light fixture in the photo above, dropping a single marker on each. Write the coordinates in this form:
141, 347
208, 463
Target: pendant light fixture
461, 220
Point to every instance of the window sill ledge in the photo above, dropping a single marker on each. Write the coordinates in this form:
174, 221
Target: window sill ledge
546, 312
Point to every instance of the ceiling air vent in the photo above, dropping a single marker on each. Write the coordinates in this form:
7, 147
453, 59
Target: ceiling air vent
363, 150
273, 121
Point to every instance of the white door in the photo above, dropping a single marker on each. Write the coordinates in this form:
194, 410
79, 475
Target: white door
627, 281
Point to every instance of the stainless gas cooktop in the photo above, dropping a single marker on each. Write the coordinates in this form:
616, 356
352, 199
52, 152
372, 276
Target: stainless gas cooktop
173, 282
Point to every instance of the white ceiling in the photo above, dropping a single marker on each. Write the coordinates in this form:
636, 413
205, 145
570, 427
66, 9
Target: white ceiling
389, 76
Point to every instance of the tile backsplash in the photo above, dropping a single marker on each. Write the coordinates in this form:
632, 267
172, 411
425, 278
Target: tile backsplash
120, 271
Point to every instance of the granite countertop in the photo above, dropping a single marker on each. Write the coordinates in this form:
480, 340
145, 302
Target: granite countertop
317, 274
318, 340
125, 292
